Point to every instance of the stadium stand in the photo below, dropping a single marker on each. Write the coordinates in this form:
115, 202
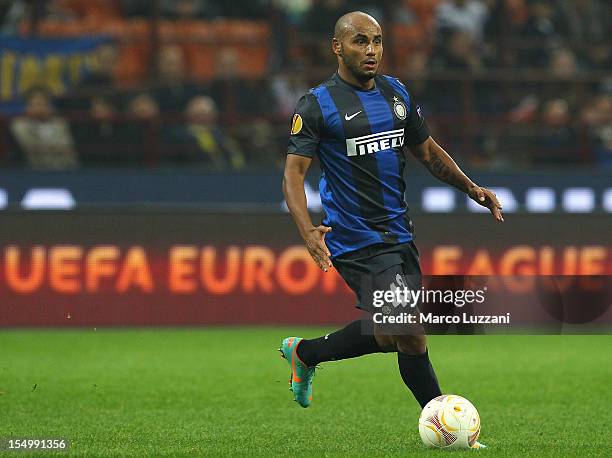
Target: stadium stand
529, 80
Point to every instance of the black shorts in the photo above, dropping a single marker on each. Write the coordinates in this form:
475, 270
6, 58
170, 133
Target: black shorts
377, 268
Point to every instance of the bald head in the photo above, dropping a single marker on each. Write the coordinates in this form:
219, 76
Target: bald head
353, 22
358, 46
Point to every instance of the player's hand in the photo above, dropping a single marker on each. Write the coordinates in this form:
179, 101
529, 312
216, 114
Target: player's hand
315, 242
487, 198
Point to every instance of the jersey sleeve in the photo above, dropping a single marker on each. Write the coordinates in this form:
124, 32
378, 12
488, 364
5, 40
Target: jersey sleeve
416, 127
306, 126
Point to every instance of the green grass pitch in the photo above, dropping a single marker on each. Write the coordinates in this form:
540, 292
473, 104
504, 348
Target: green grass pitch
224, 391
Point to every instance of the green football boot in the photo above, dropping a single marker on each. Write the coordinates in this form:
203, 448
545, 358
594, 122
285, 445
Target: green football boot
301, 375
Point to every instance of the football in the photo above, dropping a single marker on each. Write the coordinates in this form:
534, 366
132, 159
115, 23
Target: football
449, 422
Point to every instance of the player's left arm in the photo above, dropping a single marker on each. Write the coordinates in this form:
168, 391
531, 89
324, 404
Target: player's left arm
443, 167
418, 140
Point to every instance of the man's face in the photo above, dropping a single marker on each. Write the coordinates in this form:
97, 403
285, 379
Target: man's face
39, 106
143, 107
361, 49
172, 63
201, 110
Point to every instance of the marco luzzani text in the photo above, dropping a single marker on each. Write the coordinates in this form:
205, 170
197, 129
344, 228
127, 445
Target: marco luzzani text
386, 300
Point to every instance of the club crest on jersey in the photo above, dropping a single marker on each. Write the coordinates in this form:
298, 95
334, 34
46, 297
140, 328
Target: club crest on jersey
373, 143
399, 109
296, 124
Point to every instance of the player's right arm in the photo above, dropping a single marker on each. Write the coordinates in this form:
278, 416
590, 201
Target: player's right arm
303, 144
293, 188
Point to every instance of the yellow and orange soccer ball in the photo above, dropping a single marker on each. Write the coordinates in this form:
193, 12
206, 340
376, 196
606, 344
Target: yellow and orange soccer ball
449, 422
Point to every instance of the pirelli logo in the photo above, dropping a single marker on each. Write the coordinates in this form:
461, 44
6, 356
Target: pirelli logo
373, 143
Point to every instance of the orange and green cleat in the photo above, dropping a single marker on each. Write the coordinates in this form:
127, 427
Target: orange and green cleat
301, 374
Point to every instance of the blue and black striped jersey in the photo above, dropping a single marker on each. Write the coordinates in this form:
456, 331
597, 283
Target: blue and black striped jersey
358, 136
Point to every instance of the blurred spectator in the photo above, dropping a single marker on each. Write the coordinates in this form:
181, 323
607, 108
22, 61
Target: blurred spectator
563, 69
174, 89
227, 83
543, 29
104, 74
504, 22
525, 111
101, 138
420, 87
599, 55
458, 52
295, 10
406, 13
598, 118
14, 13
505, 17
318, 27
42, 138
466, 16
566, 40
101, 81
589, 26
238, 97
558, 138
287, 89
257, 97
235, 94
586, 19
143, 107
543, 21
11, 15
142, 129
262, 144
416, 63
563, 63
201, 140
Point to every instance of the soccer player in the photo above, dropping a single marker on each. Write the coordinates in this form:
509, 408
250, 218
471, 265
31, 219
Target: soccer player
359, 123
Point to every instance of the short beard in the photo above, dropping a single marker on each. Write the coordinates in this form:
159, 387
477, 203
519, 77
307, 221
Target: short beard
356, 71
